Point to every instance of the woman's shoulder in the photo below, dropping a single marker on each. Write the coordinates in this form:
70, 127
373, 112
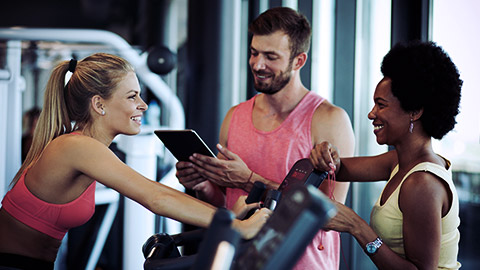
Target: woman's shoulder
427, 180
75, 154
72, 146
73, 140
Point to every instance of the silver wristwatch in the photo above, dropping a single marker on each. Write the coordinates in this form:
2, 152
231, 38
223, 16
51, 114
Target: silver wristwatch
372, 247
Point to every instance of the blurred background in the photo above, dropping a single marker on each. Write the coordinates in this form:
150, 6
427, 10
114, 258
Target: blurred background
192, 60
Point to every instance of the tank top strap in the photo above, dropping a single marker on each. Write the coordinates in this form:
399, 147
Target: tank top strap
433, 168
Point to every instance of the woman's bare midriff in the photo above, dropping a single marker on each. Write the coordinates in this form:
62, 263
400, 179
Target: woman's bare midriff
18, 238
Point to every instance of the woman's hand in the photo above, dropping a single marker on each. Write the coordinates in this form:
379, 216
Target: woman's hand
250, 227
325, 157
346, 220
241, 208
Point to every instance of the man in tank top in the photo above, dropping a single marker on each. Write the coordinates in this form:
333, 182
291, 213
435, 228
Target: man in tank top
261, 138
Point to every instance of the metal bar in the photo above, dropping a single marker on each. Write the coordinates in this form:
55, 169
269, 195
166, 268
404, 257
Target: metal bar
103, 232
123, 49
4, 75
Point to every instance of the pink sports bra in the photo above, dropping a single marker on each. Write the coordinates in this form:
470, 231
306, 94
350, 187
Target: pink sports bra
51, 219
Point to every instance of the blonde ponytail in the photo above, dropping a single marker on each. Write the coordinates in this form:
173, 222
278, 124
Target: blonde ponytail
64, 104
53, 120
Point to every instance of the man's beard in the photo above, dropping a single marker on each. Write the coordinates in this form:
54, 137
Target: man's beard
277, 83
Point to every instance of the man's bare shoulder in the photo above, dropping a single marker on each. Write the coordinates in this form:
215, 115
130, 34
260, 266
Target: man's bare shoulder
327, 111
332, 123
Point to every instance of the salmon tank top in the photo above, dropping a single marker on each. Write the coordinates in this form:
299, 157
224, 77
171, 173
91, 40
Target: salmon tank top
272, 154
51, 219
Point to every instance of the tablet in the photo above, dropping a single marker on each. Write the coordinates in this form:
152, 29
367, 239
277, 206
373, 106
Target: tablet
183, 143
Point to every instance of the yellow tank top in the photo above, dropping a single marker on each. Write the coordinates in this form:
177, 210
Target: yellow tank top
386, 220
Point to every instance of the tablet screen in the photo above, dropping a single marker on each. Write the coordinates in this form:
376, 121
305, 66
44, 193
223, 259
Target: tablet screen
183, 143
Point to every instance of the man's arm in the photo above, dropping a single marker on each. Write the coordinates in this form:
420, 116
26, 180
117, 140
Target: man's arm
229, 170
228, 155
332, 123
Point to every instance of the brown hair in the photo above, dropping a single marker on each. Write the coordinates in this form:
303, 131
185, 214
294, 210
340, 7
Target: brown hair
66, 107
287, 20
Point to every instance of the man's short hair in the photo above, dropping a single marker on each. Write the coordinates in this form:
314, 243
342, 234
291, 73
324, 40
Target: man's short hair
287, 20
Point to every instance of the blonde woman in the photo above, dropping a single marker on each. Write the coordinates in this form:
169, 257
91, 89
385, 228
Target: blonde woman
54, 189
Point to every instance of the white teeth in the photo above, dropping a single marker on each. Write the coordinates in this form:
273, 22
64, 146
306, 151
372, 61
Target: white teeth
377, 127
137, 118
261, 77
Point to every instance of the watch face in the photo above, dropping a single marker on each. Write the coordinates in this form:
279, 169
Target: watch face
371, 248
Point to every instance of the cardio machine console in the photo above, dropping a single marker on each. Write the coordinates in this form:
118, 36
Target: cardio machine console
302, 172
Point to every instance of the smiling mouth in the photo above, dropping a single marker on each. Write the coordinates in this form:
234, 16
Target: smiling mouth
377, 128
137, 119
262, 76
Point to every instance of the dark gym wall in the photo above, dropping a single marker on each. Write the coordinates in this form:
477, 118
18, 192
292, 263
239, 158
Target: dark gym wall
203, 74
344, 58
410, 20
